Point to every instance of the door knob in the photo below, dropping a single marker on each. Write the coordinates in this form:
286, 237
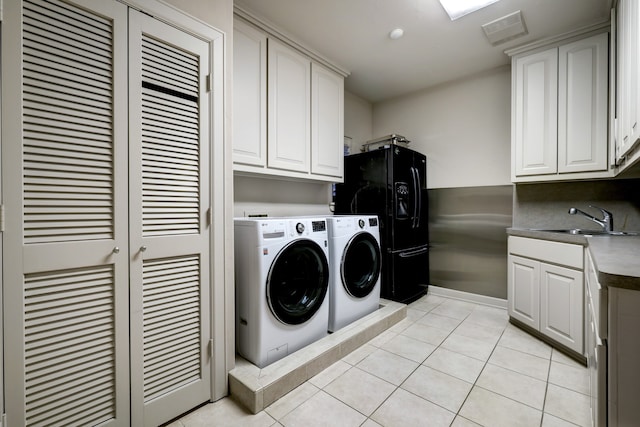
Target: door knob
116, 250
143, 248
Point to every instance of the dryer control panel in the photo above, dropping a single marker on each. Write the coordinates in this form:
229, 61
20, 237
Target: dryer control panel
319, 226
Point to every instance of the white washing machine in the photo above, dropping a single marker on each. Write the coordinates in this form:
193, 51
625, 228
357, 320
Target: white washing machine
355, 262
282, 281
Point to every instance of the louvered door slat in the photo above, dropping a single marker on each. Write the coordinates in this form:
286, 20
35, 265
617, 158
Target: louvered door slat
161, 335
168, 103
78, 58
180, 290
167, 66
83, 119
163, 341
62, 411
175, 146
164, 172
89, 375
61, 94
40, 97
71, 156
64, 349
63, 363
160, 131
78, 19
152, 105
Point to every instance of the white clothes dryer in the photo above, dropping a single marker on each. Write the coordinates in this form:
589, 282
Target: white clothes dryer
355, 261
282, 280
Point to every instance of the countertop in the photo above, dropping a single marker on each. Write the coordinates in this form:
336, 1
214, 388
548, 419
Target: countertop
616, 258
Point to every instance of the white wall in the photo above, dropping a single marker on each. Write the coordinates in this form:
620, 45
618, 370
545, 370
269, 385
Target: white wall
273, 197
358, 115
462, 127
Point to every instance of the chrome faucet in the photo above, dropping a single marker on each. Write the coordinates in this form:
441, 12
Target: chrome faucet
606, 222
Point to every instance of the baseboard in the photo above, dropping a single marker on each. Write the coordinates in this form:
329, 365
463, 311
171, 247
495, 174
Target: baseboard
468, 296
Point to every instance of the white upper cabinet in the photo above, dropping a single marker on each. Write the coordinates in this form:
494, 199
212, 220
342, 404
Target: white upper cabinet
288, 106
559, 111
327, 121
582, 105
628, 89
289, 109
536, 113
249, 95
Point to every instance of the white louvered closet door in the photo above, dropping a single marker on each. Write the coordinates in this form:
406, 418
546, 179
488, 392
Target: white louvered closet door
169, 200
66, 275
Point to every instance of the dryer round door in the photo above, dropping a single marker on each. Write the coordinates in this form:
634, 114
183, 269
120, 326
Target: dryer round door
360, 265
297, 282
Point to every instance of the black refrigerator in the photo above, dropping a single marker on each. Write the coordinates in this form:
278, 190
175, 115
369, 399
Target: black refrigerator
391, 182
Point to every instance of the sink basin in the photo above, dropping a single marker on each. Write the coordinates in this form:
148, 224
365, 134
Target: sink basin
579, 231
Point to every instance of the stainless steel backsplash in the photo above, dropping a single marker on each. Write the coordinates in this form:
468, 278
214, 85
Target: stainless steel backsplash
468, 239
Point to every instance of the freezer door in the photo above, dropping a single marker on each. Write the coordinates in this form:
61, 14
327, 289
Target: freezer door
405, 274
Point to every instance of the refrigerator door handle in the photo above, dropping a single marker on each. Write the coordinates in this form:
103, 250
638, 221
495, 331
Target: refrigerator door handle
414, 252
419, 193
414, 223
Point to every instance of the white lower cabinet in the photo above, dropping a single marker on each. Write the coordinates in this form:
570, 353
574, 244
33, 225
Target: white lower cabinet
546, 290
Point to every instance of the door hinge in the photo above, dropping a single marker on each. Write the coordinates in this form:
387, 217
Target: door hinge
209, 217
211, 348
3, 421
1, 10
209, 82
1, 218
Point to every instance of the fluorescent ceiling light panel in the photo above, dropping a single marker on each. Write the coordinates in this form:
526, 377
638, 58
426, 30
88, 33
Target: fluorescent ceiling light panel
459, 8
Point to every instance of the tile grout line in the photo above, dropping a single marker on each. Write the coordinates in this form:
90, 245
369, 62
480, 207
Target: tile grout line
478, 377
456, 414
439, 346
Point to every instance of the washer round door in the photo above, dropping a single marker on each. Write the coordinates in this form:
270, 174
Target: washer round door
297, 282
360, 265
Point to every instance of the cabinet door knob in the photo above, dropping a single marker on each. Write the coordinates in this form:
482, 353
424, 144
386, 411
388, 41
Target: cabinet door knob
116, 250
143, 248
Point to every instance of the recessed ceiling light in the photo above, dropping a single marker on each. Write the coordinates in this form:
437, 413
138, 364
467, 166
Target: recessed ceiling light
396, 34
458, 8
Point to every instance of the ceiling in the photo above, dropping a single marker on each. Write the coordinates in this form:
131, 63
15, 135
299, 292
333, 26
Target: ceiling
354, 34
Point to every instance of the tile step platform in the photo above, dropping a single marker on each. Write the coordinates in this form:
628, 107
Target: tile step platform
256, 388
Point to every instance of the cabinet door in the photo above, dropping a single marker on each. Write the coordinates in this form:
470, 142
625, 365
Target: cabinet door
169, 178
327, 122
562, 305
249, 95
627, 90
623, 348
583, 105
536, 113
289, 122
65, 267
524, 290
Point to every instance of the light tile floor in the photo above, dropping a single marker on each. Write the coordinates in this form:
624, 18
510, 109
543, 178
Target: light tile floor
448, 363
